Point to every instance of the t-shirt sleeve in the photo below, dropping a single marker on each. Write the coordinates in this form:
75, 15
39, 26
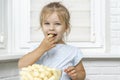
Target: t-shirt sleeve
78, 57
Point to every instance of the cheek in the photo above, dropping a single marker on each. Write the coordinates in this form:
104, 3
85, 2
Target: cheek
44, 31
61, 33
61, 29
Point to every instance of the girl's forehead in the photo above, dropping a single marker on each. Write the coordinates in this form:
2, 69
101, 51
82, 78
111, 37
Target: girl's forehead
52, 16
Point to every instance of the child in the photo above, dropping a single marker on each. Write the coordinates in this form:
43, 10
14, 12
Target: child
53, 52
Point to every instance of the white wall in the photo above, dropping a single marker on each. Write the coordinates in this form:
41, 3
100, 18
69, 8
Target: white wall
107, 69
102, 69
96, 68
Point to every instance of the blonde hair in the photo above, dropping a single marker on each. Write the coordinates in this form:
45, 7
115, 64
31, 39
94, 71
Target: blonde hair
61, 11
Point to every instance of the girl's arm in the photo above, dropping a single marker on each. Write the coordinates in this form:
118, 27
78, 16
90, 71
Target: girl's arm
81, 74
77, 72
30, 58
33, 56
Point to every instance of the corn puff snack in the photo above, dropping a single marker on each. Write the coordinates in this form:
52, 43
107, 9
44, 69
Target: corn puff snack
50, 35
39, 72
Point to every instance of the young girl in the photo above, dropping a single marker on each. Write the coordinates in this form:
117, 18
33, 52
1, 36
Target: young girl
53, 51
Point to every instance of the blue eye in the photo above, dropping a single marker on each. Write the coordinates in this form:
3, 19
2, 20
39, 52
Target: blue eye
46, 23
57, 23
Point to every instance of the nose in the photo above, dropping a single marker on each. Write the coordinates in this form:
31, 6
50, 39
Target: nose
52, 27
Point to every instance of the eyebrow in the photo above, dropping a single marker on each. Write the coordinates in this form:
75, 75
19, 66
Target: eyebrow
54, 21
57, 21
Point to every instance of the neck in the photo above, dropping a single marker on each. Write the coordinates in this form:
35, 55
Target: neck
61, 42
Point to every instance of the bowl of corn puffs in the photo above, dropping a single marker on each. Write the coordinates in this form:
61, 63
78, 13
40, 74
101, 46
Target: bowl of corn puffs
39, 72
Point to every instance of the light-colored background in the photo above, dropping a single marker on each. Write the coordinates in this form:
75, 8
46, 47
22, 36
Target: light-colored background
97, 68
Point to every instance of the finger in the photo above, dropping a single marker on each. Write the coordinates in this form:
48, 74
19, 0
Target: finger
50, 39
73, 76
72, 72
53, 45
70, 68
53, 42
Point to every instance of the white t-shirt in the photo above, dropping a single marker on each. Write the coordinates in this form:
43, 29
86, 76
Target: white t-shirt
61, 57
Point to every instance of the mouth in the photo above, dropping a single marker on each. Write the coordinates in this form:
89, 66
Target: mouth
52, 34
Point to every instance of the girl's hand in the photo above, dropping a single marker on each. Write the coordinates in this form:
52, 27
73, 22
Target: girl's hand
71, 71
47, 43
